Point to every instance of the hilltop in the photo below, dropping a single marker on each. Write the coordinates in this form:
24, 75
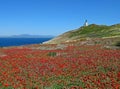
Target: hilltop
92, 31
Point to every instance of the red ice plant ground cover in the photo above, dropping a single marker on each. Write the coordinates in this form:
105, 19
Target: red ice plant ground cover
75, 67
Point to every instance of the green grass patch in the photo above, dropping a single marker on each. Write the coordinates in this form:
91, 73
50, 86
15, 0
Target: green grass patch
104, 70
91, 31
52, 54
96, 31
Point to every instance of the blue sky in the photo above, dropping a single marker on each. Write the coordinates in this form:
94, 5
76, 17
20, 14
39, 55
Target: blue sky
54, 17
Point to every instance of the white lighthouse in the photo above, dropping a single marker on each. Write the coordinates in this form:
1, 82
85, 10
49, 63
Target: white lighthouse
86, 23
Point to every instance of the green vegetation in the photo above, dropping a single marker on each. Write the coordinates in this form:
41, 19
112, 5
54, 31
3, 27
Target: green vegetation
52, 54
96, 31
5, 87
90, 31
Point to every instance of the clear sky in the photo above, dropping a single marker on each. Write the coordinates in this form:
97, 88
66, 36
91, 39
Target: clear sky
54, 17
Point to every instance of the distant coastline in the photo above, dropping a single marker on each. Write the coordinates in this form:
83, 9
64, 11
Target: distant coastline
6, 42
28, 36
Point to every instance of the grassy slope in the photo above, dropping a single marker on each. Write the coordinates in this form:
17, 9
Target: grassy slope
97, 31
91, 31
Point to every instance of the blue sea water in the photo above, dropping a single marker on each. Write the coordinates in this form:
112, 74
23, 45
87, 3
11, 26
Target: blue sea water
5, 42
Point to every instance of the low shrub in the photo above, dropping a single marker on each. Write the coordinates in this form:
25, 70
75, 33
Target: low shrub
117, 44
52, 54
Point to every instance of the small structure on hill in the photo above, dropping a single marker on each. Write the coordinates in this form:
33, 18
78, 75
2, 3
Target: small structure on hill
86, 23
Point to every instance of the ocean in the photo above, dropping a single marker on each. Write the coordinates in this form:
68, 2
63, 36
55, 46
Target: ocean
5, 42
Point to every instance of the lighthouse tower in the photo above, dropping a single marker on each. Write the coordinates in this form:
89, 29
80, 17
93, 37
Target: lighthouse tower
86, 23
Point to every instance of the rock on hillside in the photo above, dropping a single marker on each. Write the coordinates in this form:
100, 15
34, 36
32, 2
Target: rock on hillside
91, 31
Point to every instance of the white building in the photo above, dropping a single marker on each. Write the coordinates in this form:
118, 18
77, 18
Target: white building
86, 23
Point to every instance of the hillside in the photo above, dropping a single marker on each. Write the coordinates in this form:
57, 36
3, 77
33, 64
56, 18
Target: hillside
92, 31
